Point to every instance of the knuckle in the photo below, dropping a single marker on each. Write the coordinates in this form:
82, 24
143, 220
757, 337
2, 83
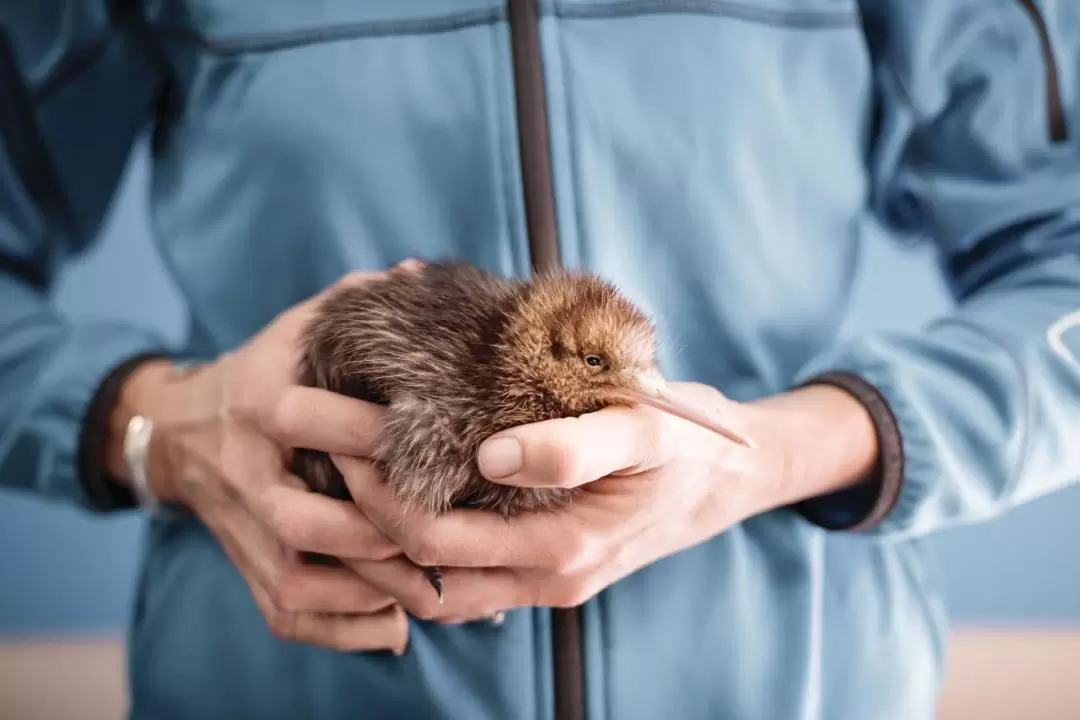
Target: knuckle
566, 465
286, 592
282, 624
352, 278
341, 641
355, 276
372, 603
362, 425
232, 468
421, 601
286, 526
577, 551
423, 550
580, 594
289, 414
572, 593
383, 549
425, 608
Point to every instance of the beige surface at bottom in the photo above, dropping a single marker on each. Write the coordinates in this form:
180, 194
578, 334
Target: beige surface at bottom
63, 681
1020, 675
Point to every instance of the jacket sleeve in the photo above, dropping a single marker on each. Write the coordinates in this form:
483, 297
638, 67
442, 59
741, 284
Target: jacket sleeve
977, 147
75, 90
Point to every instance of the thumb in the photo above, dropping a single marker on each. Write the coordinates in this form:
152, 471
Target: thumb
573, 451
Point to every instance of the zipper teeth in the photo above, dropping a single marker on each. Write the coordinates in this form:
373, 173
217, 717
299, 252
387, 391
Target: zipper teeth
536, 176
1057, 128
568, 672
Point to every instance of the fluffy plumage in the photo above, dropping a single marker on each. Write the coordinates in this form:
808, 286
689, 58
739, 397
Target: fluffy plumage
458, 354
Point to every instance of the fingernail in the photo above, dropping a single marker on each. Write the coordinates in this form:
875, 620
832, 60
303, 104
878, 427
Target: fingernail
500, 458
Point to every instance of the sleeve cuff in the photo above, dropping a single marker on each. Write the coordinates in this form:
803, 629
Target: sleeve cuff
865, 506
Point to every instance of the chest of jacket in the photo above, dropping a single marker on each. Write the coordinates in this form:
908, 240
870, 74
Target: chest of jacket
678, 148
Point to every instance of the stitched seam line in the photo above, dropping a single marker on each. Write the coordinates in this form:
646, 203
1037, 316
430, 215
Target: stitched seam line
345, 31
83, 58
794, 19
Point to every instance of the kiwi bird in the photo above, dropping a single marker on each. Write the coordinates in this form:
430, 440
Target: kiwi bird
458, 354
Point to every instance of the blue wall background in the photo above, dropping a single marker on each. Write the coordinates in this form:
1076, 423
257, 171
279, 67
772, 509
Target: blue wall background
62, 571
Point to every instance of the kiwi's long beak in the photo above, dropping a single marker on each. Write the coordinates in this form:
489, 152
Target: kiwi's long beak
653, 391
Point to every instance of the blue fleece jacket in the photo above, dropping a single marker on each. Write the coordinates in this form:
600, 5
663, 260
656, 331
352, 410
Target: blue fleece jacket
714, 158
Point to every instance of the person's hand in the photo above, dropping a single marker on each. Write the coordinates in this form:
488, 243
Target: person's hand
221, 443
649, 485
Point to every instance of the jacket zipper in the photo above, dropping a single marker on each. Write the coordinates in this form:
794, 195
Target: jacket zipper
540, 224
1058, 129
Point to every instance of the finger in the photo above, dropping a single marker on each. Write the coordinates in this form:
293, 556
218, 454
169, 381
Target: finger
317, 419
356, 278
291, 584
470, 594
385, 630
291, 320
409, 265
250, 547
309, 522
569, 452
314, 588
468, 538
375, 502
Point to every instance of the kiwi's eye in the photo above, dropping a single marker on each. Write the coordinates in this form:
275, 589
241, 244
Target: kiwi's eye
594, 361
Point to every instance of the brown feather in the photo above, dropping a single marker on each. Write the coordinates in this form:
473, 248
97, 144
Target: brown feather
458, 354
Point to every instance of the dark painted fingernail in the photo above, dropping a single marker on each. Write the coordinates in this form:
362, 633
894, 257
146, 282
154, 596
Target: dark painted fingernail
434, 576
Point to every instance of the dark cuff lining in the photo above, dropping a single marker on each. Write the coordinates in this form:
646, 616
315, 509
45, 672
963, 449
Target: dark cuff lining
104, 492
871, 501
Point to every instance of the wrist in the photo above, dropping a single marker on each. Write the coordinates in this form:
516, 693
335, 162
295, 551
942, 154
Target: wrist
825, 441
148, 391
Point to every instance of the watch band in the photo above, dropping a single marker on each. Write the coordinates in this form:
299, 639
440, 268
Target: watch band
137, 438
103, 492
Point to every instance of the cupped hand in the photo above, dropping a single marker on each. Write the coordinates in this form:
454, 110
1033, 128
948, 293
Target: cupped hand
222, 438
648, 485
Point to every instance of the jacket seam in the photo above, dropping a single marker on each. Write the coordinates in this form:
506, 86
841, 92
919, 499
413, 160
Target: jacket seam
789, 19
266, 42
